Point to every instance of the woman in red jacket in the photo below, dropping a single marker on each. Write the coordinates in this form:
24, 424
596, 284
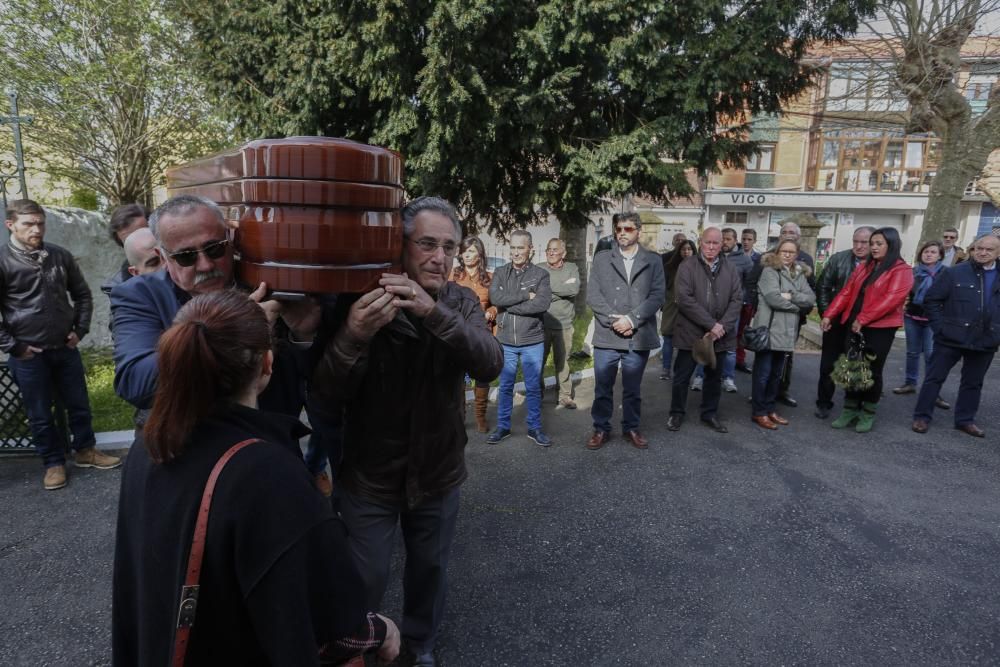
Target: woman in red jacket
871, 304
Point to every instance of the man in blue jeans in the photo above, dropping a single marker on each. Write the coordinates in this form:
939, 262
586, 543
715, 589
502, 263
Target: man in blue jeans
626, 291
521, 293
40, 331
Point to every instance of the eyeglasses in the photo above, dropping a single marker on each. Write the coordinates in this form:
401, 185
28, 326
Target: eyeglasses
628, 228
429, 246
187, 258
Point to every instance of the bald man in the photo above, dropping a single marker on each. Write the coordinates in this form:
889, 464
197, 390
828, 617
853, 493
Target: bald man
140, 251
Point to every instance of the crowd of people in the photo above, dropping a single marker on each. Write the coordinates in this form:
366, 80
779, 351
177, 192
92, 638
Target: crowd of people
225, 540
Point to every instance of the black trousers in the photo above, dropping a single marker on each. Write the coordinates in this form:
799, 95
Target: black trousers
974, 367
711, 389
877, 342
834, 342
428, 532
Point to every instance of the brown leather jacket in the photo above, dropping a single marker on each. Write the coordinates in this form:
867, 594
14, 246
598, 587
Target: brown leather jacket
404, 426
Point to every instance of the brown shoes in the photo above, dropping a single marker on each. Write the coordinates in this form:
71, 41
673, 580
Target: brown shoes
778, 419
91, 458
972, 430
920, 426
905, 389
764, 422
55, 478
637, 440
598, 440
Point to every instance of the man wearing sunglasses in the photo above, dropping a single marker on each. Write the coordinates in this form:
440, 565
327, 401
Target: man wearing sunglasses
195, 246
953, 254
626, 291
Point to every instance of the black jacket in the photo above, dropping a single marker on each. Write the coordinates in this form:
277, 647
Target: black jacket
957, 309
403, 394
836, 271
35, 299
277, 578
520, 318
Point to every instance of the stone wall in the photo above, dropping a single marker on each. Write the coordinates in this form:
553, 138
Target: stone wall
85, 234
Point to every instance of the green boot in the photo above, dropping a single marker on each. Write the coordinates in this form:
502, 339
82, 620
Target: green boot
866, 420
849, 414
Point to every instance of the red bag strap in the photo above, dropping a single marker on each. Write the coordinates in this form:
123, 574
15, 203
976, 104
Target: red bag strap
189, 592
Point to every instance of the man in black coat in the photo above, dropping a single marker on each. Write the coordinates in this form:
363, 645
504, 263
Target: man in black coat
963, 306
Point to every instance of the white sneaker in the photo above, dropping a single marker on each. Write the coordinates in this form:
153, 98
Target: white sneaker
696, 383
729, 385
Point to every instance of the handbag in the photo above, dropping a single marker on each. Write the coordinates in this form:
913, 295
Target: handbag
758, 339
853, 368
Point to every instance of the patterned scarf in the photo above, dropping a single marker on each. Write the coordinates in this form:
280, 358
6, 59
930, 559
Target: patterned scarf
923, 277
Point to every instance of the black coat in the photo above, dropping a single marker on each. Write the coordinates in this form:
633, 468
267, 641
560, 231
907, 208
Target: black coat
956, 307
277, 578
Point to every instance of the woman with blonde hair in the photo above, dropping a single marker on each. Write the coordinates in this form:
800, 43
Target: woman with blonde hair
783, 291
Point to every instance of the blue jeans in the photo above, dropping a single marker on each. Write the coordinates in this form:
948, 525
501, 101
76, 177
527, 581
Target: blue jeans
40, 379
728, 367
530, 357
667, 352
633, 364
919, 340
768, 366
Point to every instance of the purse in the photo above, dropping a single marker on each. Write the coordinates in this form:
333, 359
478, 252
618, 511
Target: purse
758, 339
853, 369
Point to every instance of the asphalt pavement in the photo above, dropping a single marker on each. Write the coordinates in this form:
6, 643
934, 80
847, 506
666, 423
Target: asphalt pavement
803, 546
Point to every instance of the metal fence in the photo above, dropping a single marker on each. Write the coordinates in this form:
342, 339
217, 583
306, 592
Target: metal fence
15, 435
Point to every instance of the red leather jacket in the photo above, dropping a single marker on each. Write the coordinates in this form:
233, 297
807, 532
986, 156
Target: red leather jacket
884, 298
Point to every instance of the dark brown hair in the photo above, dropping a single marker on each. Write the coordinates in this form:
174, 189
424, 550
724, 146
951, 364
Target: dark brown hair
123, 216
23, 207
927, 244
483, 276
207, 359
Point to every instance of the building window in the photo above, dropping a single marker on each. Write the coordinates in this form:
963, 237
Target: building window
863, 86
764, 161
982, 78
876, 161
736, 218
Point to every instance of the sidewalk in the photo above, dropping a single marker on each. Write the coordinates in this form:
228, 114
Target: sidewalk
806, 545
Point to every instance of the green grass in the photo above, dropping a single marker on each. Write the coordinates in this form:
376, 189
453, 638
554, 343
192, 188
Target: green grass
110, 413
580, 325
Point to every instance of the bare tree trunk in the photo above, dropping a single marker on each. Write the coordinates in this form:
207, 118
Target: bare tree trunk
575, 237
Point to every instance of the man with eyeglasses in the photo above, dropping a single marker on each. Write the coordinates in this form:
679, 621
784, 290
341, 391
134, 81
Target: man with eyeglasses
953, 254
398, 362
46, 306
626, 291
963, 306
195, 246
522, 294
564, 279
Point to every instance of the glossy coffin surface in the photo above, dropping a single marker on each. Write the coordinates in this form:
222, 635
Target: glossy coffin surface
364, 196
298, 234
314, 214
306, 158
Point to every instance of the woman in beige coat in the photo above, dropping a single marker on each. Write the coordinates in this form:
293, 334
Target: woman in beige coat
782, 294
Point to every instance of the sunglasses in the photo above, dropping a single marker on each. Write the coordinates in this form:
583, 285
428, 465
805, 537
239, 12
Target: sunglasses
187, 258
628, 228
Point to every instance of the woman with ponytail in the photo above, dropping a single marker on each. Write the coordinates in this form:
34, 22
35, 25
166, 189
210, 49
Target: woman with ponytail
277, 583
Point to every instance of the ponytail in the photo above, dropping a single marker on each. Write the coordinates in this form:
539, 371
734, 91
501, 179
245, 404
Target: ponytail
207, 359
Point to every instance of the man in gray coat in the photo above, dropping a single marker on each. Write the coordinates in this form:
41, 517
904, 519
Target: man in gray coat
709, 297
625, 291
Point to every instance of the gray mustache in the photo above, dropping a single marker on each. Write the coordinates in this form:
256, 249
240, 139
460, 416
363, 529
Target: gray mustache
202, 276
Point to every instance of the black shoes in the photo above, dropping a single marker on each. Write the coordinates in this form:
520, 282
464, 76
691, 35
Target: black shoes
674, 422
714, 424
821, 412
744, 368
785, 399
